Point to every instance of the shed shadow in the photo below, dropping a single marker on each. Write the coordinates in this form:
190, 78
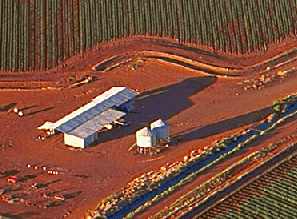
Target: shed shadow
161, 103
223, 126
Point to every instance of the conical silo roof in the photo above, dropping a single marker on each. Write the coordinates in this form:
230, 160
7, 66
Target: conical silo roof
145, 138
160, 129
158, 123
144, 132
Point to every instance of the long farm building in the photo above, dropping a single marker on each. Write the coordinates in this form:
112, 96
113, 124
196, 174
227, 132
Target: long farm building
82, 126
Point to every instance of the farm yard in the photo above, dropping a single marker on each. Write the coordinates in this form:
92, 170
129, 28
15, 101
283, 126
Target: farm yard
84, 180
227, 92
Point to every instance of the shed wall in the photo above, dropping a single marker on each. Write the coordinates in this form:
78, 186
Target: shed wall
90, 139
74, 141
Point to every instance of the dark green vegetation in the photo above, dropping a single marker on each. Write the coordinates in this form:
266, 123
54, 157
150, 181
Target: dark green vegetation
38, 35
272, 195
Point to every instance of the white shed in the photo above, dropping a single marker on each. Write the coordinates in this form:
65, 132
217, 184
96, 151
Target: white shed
160, 129
86, 133
145, 138
79, 142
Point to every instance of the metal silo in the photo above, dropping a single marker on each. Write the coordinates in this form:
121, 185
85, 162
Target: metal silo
145, 138
160, 129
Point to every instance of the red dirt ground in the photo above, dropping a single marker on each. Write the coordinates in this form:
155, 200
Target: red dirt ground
198, 109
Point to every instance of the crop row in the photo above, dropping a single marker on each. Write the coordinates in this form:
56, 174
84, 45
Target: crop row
37, 35
272, 195
200, 192
194, 197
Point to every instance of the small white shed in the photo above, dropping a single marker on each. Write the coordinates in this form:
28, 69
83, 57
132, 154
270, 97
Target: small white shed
79, 142
145, 138
74, 141
160, 129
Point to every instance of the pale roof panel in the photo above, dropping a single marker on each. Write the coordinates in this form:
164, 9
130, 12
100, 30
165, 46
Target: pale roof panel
96, 123
114, 97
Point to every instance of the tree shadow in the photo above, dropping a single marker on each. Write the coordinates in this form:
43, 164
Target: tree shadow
42, 185
104, 64
42, 110
161, 103
28, 107
71, 195
26, 177
81, 176
29, 214
9, 216
53, 204
7, 107
223, 126
8, 173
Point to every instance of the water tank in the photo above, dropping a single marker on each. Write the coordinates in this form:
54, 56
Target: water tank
160, 128
145, 138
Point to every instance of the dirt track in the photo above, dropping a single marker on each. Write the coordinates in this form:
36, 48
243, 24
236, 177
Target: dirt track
119, 52
207, 107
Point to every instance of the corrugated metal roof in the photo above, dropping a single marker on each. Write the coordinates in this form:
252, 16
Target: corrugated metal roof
96, 123
114, 97
117, 95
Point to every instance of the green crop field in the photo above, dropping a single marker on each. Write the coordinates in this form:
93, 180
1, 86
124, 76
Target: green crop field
272, 195
38, 35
